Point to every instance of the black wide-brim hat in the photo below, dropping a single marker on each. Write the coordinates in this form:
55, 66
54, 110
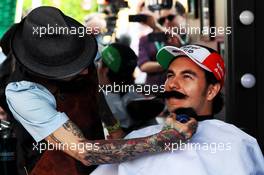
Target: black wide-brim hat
64, 50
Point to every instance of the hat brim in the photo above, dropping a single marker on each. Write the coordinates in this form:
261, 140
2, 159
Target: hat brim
5, 41
169, 53
83, 60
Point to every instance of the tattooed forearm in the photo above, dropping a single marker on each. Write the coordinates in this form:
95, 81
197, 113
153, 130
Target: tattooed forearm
55, 138
116, 151
71, 127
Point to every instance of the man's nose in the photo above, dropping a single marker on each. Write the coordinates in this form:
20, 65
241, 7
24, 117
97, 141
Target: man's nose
174, 84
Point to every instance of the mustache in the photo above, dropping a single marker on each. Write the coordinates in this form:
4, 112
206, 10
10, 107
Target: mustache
172, 94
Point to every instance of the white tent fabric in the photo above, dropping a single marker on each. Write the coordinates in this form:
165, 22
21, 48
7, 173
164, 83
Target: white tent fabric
216, 148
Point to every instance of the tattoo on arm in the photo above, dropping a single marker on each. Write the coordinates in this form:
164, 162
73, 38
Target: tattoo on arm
73, 128
55, 138
116, 151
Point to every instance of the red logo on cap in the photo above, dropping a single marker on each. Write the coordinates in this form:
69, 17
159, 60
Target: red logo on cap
215, 63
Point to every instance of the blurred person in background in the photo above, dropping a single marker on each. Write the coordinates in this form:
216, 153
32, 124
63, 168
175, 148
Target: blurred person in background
97, 24
116, 67
148, 49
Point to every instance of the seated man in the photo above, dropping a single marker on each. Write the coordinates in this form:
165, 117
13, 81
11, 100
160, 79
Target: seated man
197, 73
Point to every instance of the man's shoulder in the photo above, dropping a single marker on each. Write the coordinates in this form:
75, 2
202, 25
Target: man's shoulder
220, 130
24, 85
23, 95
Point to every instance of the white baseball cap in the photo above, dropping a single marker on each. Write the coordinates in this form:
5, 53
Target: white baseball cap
204, 57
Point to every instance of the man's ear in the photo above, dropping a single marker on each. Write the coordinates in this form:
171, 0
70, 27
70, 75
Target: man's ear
213, 90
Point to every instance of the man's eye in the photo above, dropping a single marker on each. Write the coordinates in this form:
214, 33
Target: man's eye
169, 75
186, 76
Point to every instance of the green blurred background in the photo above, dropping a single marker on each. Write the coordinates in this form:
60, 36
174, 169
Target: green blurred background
7, 14
77, 9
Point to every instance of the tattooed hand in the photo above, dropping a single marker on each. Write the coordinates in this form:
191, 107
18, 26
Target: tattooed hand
186, 129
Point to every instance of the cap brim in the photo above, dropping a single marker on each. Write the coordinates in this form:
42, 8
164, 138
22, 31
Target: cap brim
168, 53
